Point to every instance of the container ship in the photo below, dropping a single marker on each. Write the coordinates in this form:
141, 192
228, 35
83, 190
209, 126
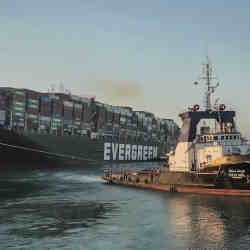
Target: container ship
57, 126
211, 155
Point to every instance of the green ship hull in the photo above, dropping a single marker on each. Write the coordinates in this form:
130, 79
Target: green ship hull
34, 147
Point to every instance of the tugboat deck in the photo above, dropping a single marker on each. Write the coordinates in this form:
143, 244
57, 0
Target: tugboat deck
118, 179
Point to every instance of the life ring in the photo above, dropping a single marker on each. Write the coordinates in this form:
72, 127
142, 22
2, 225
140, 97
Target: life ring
222, 107
196, 107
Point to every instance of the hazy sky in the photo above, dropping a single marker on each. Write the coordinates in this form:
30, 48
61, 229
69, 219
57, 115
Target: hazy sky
141, 53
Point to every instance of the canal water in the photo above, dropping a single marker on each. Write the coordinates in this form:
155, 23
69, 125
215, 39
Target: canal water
71, 208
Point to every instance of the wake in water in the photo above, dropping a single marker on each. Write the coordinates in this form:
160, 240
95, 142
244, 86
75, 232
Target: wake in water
79, 178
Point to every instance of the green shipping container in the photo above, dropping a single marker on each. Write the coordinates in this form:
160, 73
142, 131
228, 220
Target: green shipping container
31, 116
17, 92
33, 106
33, 101
20, 114
56, 123
21, 104
17, 108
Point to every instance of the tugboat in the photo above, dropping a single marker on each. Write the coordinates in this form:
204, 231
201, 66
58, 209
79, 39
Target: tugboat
220, 149
211, 155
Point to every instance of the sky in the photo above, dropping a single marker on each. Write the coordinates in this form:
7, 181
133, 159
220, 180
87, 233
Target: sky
145, 54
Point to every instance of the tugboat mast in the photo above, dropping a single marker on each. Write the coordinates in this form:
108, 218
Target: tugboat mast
209, 89
208, 94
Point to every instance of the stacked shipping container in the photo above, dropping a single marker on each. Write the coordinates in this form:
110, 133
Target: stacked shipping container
32, 110
62, 113
4, 107
57, 115
77, 114
67, 116
17, 103
45, 113
101, 114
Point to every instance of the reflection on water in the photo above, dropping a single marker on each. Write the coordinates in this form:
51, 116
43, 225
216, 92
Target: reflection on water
215, 222
72, 209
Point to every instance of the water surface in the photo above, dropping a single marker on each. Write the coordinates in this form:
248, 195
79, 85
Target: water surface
71, 208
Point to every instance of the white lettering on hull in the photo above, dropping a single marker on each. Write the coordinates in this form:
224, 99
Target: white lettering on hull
107, 151
127, 152
134, 152
139, 153
150, 152
121, 152
114, 150
145, 153
155, 152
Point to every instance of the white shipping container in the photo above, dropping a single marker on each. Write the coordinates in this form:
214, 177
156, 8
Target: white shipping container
2, 115
78, 106
68, 104
45, 118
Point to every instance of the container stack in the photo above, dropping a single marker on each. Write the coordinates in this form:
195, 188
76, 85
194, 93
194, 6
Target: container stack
116, 115
89, 114
17, 108
148, 125
116, 122
61, 113
32, 110
108, 125
124, 122
158, 128
57, 115
3, 108
68, 116
154, 129
134, 121
133, 126
77, 116
140, 118
130, 129
86, 103
109, 113
101, 116
45, 113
